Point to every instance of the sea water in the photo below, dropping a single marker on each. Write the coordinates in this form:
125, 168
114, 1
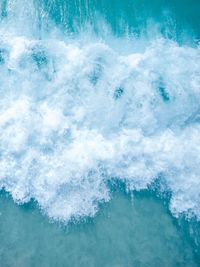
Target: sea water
99, 133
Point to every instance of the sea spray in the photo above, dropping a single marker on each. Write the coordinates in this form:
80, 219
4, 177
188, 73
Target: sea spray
78, 110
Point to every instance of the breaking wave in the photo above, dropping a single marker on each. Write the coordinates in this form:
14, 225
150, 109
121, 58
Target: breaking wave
77, 112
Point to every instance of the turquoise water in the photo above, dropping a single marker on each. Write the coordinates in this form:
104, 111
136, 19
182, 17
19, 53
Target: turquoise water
126, 232
174, 17
99, 133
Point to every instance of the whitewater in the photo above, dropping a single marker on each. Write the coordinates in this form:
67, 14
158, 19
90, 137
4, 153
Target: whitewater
79, 112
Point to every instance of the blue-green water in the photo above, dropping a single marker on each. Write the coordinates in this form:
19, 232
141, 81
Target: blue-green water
174, 17
125, 232
99, 133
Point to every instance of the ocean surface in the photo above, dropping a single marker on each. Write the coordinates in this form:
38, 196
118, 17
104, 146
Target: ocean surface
100, 133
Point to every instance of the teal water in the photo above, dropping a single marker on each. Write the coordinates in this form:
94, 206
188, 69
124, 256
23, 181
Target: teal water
99, 133
173, 17
137, 231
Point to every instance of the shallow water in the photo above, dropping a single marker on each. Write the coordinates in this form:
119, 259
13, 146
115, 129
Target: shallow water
137, 231
94, 93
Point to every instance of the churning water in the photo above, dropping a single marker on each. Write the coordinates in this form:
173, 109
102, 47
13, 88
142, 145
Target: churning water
96, 95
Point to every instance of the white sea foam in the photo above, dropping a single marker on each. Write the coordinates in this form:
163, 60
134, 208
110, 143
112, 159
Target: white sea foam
76, 113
